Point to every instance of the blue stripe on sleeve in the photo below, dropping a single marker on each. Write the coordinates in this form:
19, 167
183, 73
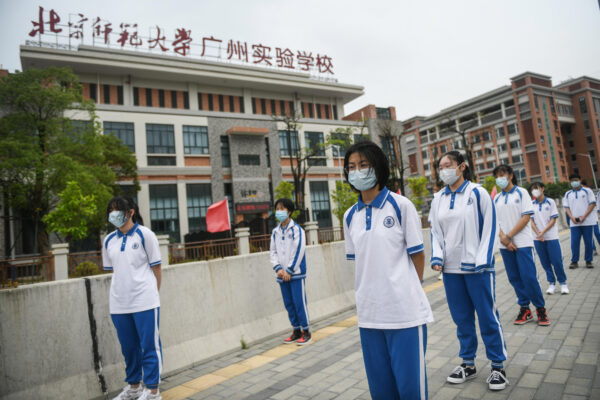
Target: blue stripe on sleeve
107, 268
298, 249
490, 253
154, 264
350, 257
415, 249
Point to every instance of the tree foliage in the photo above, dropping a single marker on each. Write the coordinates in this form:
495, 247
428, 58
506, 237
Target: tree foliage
557, 190
488, 183
74, 213
418, 188
42, 149
344, 198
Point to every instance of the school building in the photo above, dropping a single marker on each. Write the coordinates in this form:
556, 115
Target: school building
203, 131
544, 131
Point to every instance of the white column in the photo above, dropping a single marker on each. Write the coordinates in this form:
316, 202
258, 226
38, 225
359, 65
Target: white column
193, 96
184, 227
143, 199
140, 143
312, 232
179, 158
243, 237
247, 93
163, 243
60, 251
334, 221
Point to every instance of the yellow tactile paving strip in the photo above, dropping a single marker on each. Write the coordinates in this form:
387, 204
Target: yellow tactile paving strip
214, 378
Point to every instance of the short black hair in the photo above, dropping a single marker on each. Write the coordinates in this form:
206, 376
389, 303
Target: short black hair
375, 156
538, 185
125, 204
459, 159
574, 176
286, 203
507, 169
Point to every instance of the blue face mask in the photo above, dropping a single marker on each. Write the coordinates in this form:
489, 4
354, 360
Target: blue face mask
281, 215
502, 182
117, 218
362, 179
575, 184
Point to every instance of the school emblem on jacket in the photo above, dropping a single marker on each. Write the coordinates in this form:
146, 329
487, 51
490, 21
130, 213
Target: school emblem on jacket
135, 246
547, 208
388, 222
470, 201
290, 236
517, 201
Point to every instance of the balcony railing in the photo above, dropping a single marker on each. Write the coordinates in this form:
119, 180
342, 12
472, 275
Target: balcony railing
260, 243
206, 250
86, 256
24, 270
327, 235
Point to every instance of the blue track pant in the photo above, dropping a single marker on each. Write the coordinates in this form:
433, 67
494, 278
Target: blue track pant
468, 294
550, 256
597, 234
294, 300
395, 362
141, 346
522, 275
588, 240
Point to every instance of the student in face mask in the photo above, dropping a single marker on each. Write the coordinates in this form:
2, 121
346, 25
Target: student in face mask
515, 208
547, 245
463, 239
383, 236
579, 205
288, 243
133, 254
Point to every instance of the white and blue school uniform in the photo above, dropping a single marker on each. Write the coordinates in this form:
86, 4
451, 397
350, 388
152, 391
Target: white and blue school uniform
511, 206
596, 227
392, 307
464, 233
288, 247
134, 301
578, 202
548, 250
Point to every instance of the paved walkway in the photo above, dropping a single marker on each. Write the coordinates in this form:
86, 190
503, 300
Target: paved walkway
555, 362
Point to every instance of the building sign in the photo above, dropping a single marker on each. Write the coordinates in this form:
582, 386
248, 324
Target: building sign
249, 208
51, 30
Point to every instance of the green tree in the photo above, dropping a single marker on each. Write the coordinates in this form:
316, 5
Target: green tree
488, 183
418, 188
557, 190
285, 190
42, 150
344, 197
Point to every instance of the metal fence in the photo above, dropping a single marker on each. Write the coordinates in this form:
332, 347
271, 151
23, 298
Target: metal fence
260, 243
206, 250
86, 256
327, 235
24, 270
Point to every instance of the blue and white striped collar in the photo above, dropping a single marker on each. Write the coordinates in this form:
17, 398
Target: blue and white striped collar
545, 201
510, 191
289, 225
378, 202
129, 233
460, 189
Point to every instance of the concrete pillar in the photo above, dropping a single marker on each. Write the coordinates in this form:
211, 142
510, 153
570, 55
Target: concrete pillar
60, 251
243, 237
312, 232
163, 243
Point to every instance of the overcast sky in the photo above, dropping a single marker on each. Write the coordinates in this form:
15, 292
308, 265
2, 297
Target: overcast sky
419, 56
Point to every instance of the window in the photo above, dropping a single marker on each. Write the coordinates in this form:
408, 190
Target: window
272, 107
387, 144
589, 139
211, 106
285, 140
555, 125
241, 100
263, 106
518, 159
249, 159
424, 154
148, 97
443, 149
136, 96
335, 114
560, 155
539, 121
547, 170
319, 111
564, 171
502, 147
339, 149
120, 95
545, 154
174, 99
535, 100
225, 154
475, 139
231, 105
186, 100
221, 103
489, 165
542, 139
314, 141
164, 210
487, 136
360, 138
195, 139
500, 132
586, 125
94, 92
198, 200
515, 144
582, 105
319, 200
160, 139
478, 153
123, 131
161, 97
383, 113
106, 89
552, 109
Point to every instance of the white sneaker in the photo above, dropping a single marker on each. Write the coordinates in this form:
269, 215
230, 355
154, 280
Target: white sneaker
148, 395
130, 393
551, 289
564, 289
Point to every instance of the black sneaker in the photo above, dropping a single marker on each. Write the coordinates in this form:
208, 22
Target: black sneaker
306, 338
589, 265
294, 337
462, 373
573, 265
497, 379
524, 316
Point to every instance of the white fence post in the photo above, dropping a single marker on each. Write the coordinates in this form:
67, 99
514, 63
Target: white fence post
312, 232
163, 243
243, 237
60, 251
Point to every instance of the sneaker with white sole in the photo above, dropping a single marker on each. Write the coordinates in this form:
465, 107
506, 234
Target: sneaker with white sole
497, 379
462, 373
564, 289
148, 395
551, 289
130, 393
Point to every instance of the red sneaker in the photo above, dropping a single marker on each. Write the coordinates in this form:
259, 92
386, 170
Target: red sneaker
542, 317
294, 337
306, 338
524, 316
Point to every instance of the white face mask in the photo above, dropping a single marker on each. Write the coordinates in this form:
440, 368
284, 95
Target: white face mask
449, 176
536, 192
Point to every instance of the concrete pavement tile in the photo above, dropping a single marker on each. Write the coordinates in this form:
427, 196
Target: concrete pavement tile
530, 380
579, 386
545, 354
447, 393
350, 394
520, 393
564, 362
585, 371
557, 376
539, 366
587, 358
549, 391
522, 359
438, 362
474, 389
575, 397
